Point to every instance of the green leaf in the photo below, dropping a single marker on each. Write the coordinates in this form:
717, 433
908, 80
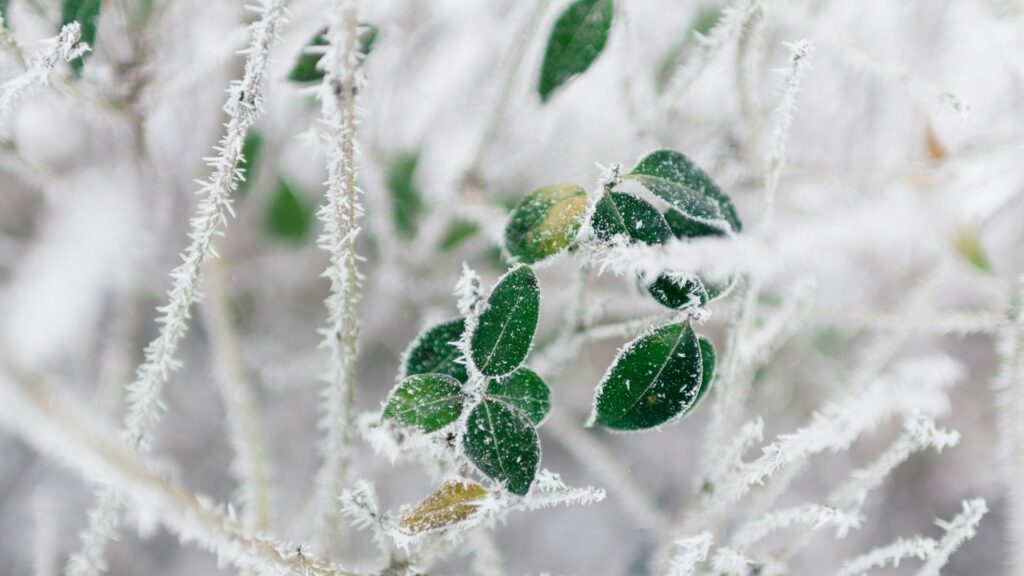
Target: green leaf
678, 291
458, 232
678, 181
545, 222
251, 149
504, 332
434, 351
305, 69
502, 443
425, 401
579, 36
287, 217
4, 4
525, 390
406, 198
708, 362
655, 379
684, 227
86, 13
623, 214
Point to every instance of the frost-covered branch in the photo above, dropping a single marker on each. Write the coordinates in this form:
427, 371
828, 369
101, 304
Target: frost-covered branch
245, 435
243, 106
64, 47
799, 54
1008, 388
59, 427
957, 531
889, 555
729, 27
340, 215
689, 553
813, 516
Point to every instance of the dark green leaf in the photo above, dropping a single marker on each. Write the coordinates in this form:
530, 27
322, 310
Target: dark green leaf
545, 222
684, 227
406, 198
425, 401
708, 361
504, 332
523, 389
623, 214
502, 443
287, 217
434, 351
251, 149
655, 379
576, 41
86, 13
458, 232
678, 292
678, 181
306, 70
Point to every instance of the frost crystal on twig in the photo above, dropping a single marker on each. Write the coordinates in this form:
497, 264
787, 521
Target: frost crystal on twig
689, 553
340, 215
64, 47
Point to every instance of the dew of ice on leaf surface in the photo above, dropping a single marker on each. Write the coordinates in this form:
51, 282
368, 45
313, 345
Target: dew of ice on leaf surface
678, 293
524, 390
428, 402
663, 369
435, 351
683, 226
502, 443
546, 222
454, 501
504, 332
623, 214
685, 186
577, 39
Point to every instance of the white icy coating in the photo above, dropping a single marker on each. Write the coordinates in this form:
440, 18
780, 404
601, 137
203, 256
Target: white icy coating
892, 246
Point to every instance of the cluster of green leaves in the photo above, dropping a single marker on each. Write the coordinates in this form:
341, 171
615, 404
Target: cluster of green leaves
484, 383
661, 375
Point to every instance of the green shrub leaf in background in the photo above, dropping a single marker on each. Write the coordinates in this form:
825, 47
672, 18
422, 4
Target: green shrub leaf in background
502, 443
579, 36
504, 333
425, 401
623, 214
677, 180
406, 198
545, 222
525, 390
86, 13
287, 217
434, 351
655, 379
251, 149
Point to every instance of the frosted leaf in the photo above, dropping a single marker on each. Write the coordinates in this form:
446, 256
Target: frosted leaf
677, 180
435, 351
655, 379
425, 401
503, 334
454, 501
502, 443
524, 390
545, 222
